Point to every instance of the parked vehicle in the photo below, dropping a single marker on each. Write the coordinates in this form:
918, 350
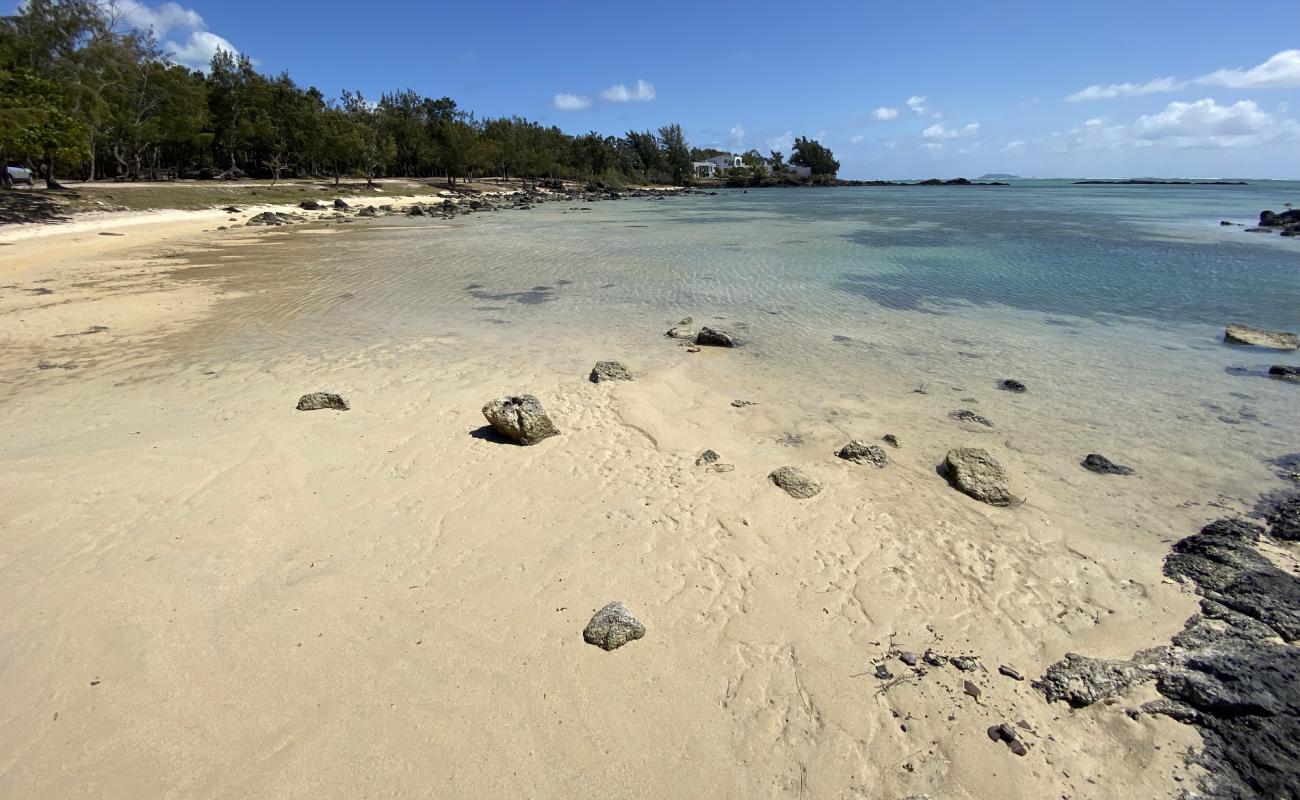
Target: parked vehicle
16, 174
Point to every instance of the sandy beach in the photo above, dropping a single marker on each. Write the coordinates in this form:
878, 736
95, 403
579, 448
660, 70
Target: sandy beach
212, 594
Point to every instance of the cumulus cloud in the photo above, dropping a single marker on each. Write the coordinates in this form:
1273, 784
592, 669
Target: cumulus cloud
1203, 123
1280, 71
197, 50
1015, 146
1100, 92
917, 103
571, 102
736, 137
940, 131
884, 114
935, 148
161, 20
856, 139
784, 142
640, 92
191, 43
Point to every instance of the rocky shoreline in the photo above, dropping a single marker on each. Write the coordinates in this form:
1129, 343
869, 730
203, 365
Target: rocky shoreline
457, 202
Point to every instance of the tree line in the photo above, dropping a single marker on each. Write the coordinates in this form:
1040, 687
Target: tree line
84, 96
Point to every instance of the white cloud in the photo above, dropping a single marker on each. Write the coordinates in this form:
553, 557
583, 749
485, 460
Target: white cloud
917, 103
856, 139
940, 131
1014, 147
784, 142
160, 20
1099, 92
571, 102
1282, 71
192, 45
736, 137
935, 148
197, 50
1203, 123
970, 149
640, 92
884, 114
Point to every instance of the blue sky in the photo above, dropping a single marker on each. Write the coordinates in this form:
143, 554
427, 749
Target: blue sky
1186, 88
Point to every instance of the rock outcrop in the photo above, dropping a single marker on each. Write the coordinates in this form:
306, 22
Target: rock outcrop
1276, 340
520, 418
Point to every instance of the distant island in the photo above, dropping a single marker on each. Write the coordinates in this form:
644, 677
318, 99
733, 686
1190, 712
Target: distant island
1153, 182
998, 176
929, 182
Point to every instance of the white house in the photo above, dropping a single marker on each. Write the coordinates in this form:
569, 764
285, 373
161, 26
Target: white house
704, 169
729, 161
802, 172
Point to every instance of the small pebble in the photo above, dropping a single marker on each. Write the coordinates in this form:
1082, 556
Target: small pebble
1011, 672
908, 658
971, 689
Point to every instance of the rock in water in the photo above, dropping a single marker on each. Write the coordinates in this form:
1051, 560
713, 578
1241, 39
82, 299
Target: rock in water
521, 418
860, 452
1104, 466
681, 332
978, 474
318, 400
966, 415
341, 204
612, 627
1284, 372
1012, 385
1277, 340
609, 371
795, 482
891, 440
714, 338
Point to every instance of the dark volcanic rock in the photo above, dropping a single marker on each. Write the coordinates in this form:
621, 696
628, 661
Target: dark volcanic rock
1012, 385
609, 371
1104, 466
321, 400
521, 418
860, 452
714, 338
1225, 672
310, 205
891, 440
1284, 372
341, 205
1283, 516
612, 627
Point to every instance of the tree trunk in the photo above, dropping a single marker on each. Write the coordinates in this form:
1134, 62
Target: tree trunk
50, 181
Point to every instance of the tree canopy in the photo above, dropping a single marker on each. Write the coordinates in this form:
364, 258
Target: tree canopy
84, 95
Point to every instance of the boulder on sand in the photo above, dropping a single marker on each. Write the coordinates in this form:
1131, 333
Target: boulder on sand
795, 482
1244, 334
860, 452
520, 418
319, 400
978, 474
681, 332
714, 338
610, 371
612, 627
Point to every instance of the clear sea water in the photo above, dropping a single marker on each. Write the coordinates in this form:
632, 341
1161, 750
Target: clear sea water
1109, 301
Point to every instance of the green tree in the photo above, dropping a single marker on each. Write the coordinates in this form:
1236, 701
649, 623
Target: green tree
815, 156
676, 153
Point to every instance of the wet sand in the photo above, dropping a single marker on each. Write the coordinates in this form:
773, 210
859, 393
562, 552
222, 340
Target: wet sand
211, 594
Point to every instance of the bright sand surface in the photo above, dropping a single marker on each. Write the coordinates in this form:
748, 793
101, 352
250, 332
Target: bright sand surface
210, 594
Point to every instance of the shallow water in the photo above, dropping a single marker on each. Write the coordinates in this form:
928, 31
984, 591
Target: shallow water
1108, 301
